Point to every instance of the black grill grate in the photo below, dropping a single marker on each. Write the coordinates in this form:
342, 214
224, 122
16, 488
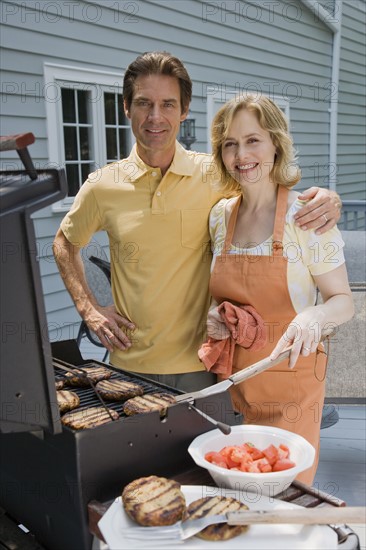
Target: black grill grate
88, 395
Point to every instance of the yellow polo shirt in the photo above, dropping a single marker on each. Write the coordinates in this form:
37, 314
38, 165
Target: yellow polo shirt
160, 255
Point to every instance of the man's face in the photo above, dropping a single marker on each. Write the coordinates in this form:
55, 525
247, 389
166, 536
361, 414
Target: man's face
155, 114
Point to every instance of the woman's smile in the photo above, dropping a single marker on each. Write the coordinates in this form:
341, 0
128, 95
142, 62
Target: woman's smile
248, 152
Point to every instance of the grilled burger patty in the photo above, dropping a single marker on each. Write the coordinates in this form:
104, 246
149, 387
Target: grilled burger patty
117, 390
59, 384
147, 403
89, 418
210, 506
67, 400
154, 501
77, 377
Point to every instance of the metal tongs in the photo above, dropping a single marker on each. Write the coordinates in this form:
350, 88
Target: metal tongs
80, 372
242, 375
237, 378
246, 373
183, 530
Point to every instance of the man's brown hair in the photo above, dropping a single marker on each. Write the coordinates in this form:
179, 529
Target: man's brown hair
150, 63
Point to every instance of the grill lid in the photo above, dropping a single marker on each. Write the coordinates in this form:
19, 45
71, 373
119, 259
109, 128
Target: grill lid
27, 385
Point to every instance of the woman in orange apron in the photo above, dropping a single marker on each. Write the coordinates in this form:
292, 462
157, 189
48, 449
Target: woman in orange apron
250, 137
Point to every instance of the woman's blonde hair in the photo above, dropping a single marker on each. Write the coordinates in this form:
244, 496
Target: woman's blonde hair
285, 170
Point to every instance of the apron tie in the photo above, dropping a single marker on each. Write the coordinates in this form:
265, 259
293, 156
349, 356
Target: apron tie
247, 330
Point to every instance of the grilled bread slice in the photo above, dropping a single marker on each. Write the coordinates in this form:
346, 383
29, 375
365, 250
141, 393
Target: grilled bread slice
209, 506
147, 403
81, 377
154, 501
91, 417
118, 390
67, 400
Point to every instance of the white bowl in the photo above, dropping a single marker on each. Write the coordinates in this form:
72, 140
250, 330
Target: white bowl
271, 483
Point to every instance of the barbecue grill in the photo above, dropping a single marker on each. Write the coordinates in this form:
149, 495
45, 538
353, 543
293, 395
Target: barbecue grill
49, 472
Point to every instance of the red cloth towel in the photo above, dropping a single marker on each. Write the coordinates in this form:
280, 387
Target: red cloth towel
247, 330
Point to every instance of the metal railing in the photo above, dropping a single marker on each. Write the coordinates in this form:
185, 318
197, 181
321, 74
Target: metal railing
353, 216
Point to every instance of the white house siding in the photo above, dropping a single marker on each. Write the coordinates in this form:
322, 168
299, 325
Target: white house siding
278, 47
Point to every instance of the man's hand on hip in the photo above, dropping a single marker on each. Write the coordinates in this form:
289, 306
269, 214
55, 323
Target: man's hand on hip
106, 323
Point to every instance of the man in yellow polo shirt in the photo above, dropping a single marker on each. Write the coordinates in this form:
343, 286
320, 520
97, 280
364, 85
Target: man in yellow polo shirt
154, 206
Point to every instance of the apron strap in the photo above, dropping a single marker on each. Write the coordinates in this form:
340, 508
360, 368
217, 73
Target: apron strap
280, 217
279, 225
231, 225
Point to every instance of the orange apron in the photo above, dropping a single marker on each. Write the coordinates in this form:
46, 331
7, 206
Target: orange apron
289, 399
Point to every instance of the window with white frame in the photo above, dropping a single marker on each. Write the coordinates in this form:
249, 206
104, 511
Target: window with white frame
217, 97
77, 136
117, 129
86, 124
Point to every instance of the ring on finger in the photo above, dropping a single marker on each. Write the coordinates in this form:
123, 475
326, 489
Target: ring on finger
305, 348
325, 218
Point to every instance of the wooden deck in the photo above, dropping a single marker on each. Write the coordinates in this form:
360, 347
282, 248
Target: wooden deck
342, 465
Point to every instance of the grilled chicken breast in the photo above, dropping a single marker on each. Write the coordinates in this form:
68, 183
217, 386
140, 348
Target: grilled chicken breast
67, 400
210, 506
154, 501
118, 390
89, 418
147, 403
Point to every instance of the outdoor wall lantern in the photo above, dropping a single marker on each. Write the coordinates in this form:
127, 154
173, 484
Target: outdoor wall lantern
187, 132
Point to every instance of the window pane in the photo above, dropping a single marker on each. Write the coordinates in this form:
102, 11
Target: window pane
110, 108
68, 105
85, 153
122, 119
86, 169
111, 143
83, 106
71, 152
124, 144
72, 173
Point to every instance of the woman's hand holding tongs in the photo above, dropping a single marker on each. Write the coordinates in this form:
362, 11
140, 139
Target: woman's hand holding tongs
302, 335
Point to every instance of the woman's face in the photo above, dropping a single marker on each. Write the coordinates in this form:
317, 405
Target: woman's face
248, 152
